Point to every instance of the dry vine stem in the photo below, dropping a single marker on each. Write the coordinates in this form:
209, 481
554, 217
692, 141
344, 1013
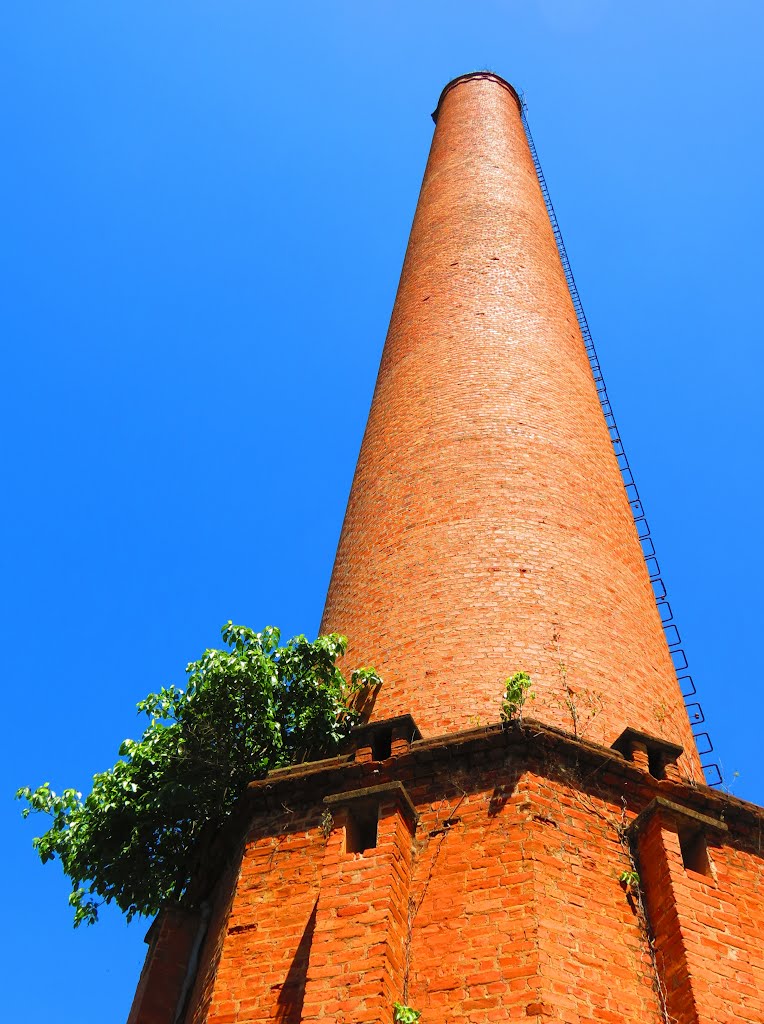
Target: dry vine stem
636, 894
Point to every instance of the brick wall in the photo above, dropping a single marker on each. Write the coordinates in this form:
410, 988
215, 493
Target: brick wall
704, 899
488, 530
523, 898
162, 985
255, 959
502, 899
357, 960
483, 873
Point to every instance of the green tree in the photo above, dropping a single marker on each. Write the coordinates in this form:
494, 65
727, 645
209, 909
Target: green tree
135, 838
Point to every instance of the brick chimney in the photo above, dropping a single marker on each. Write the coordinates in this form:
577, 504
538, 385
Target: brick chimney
570, 867
488, 530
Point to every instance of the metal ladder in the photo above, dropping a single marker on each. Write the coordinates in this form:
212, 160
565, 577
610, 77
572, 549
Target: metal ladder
686, 684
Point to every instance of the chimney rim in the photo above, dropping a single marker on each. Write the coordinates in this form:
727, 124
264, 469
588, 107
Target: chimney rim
490, 76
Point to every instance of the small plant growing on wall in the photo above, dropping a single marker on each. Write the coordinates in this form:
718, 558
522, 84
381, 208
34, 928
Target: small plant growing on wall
405, 1014
629, 880
516, 692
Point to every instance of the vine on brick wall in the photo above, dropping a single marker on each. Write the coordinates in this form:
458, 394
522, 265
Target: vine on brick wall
629, 878
631, 881
441, 830
633, 884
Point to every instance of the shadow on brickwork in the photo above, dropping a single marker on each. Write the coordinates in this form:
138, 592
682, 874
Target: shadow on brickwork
364, 699
501, 794
292, 993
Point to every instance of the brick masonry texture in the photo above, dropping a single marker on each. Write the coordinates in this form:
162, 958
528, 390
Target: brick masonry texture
488, 530
160, 988
709, 927
503, 903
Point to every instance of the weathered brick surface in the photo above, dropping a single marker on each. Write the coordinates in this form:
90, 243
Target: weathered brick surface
203, 976
162, 982
709, 929
502, 901
357, 961
488, 530
522, 897
663, 913
504, 905
255, 961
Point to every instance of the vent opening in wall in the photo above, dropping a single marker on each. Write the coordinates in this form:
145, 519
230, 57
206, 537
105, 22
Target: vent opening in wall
656, 763
695, 852
361, 829
381, 744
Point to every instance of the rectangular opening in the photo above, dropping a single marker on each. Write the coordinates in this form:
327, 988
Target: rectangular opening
695, 853
381, 744
361, 828
656, 763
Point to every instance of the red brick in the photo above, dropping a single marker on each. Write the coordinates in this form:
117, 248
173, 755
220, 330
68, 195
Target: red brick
487, 514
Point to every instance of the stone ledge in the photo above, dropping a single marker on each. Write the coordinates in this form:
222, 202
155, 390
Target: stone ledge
654, 744
312, 781
377, 794
307, 767
678, 813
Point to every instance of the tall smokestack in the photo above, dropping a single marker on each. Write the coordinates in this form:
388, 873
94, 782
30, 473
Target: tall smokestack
489, 873
488, 530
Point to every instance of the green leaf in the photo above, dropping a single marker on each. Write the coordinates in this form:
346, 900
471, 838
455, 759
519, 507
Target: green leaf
137, 835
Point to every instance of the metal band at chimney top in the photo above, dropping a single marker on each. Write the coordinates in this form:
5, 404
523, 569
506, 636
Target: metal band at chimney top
694, 710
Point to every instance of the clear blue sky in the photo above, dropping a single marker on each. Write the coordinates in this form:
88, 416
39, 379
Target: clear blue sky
205, 207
